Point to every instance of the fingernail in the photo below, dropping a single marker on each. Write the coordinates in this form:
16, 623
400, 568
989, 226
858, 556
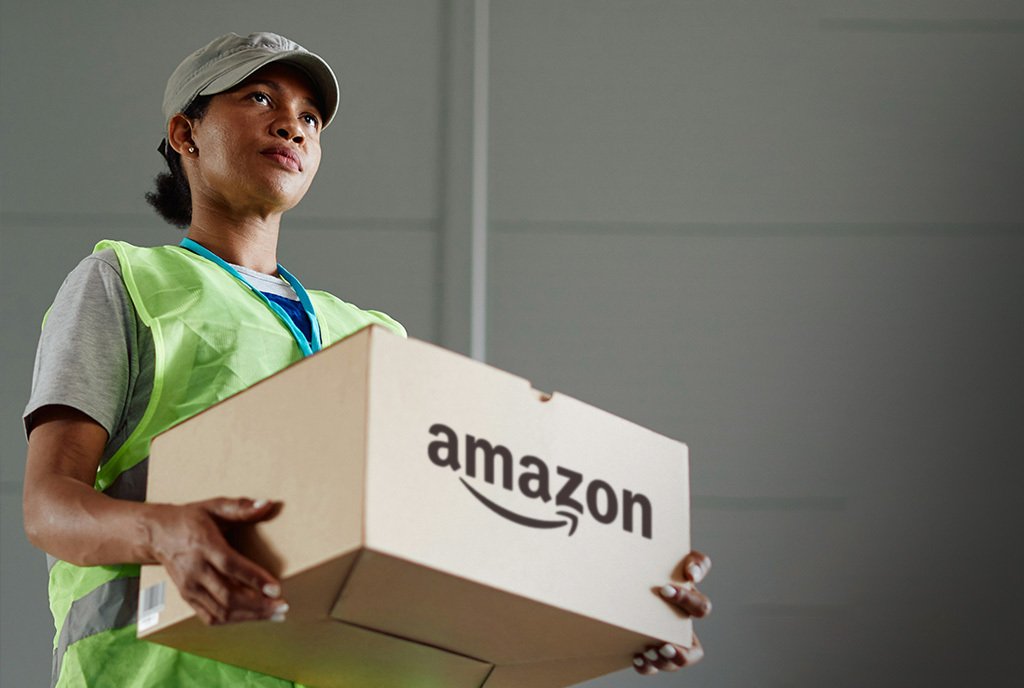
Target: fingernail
638, 661
667, 651
260, 503
651, 655
279, 612
669, 592
695, 572
272, 590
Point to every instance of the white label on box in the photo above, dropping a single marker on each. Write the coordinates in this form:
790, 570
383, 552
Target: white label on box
151, 603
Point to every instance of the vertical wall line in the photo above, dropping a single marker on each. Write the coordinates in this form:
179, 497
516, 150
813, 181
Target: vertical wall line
445, 56
481, 114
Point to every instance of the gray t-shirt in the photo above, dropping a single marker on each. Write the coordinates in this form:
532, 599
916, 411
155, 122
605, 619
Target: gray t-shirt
96, 356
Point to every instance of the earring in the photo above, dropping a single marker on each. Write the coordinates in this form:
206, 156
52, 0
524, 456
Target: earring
192, 149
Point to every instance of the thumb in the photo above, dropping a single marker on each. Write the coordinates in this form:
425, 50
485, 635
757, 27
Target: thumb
241, 509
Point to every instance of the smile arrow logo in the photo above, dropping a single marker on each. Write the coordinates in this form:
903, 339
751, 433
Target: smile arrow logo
572, 520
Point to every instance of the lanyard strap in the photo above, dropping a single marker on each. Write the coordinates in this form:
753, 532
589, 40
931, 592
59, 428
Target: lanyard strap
308, 347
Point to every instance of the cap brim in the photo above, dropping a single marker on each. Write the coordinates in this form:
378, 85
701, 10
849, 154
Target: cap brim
311, 64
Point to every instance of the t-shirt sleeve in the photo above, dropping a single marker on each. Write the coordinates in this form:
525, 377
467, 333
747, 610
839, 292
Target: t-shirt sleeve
84, 353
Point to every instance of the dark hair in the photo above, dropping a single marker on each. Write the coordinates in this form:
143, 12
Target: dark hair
173, 197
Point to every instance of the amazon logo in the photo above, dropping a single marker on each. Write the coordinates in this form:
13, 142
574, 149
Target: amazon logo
573, 496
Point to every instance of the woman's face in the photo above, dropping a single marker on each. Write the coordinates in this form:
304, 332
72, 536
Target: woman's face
258, 145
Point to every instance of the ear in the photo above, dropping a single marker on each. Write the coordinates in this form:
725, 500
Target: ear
179, 134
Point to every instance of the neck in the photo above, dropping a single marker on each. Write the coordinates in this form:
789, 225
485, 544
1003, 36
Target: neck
249, 242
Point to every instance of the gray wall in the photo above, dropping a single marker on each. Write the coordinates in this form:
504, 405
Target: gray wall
789, 233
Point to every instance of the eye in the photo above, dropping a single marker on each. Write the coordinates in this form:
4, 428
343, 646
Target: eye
260, 97
311, 120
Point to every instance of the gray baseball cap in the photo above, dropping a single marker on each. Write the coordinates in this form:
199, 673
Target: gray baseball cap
227, 61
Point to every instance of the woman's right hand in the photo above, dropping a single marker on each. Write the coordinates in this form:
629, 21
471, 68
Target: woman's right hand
220, 584
67, 518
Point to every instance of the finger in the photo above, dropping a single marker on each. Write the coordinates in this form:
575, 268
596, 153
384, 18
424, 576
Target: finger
234, 600
245, 572
237, 603
654, 658
675, 657
695, 566
693, 654
203, 615
241, 510
690, 600
240, 615
667, 657
643, 666
255, 609
209, 611
210, 581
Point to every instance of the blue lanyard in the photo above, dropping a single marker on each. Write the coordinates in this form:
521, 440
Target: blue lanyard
307, 347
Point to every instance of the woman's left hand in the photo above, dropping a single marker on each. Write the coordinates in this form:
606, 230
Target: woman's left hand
669, 657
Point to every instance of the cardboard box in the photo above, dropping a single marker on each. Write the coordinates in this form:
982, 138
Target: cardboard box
443, 524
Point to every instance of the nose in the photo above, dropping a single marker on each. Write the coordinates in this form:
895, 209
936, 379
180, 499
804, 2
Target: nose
287, 134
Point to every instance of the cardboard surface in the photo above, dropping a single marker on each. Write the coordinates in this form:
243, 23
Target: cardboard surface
437, 509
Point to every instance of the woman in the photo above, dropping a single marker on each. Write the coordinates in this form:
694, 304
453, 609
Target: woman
156, 335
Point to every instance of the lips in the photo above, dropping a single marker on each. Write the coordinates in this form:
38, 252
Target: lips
285, 157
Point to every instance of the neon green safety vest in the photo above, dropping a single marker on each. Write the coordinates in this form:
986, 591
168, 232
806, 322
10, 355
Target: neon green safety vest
212, 337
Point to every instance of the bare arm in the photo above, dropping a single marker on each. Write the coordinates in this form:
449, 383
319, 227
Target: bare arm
64, 515
67, 518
